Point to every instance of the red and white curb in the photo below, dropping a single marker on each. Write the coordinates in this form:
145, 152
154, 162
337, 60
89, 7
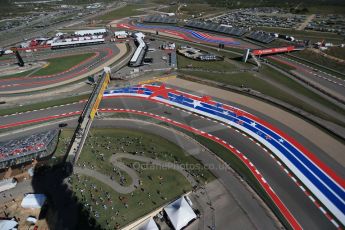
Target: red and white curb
40, 119
47, 108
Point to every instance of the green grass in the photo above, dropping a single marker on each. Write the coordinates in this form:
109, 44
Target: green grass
22, 74
323, 61
7, 57
136, 143
127, 11
336, 52
62, 146
326, 9
60, 64
161, 191
236, 79
249, 81
42, 105
184, 62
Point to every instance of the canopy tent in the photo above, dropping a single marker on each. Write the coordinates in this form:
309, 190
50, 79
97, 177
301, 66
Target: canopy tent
8, 224
150, 224
180, 213
33, 201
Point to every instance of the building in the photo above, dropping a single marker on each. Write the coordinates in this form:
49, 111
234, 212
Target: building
8, 224
180, 213
25, 149
207, 57
197, 54
138, 56
90, 32
169, 46
149, 224
120, 34
33, 201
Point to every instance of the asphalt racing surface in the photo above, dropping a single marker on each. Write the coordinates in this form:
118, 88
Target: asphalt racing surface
308, 215
101, 53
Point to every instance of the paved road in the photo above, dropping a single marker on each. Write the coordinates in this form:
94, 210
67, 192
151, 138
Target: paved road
104, 55
306, 22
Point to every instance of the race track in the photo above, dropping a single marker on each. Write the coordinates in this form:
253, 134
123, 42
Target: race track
101, 54
299, 202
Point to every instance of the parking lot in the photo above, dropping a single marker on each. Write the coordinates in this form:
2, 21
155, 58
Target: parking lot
160, 61
260, 17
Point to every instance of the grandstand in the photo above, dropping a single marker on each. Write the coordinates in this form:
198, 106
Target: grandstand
261, 36
140, 52
172, 59
25, 149
80, 41
215, 27
90, 32
160, 19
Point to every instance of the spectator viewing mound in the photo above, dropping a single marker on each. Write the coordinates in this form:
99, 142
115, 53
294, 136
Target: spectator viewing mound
28, 148
124, 174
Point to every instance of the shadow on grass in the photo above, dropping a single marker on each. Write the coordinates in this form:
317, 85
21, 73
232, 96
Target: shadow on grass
63, 210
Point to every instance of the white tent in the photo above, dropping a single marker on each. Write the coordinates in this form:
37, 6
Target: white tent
180, 213
33, 201
150, 224
8, 224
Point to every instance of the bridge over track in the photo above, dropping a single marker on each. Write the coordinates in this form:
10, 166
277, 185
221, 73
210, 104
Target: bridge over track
86, 118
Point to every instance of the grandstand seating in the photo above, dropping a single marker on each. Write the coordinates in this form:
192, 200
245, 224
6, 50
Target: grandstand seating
261, 36
27, 148
160, 19
210, 26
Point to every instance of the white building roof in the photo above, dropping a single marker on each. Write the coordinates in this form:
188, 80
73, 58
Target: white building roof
119, 33
8, 224
33, 201
84, 32
180, 213
150, 224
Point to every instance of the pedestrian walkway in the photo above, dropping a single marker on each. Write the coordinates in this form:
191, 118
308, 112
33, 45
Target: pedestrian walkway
115, 160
